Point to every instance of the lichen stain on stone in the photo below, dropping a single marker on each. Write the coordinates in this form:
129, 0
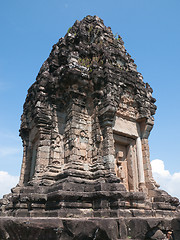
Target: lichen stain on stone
86, 170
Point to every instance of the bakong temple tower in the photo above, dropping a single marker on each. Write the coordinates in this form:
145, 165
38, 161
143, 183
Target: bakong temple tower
86, 170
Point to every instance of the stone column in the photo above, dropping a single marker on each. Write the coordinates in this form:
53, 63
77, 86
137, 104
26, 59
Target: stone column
132, 167
108, 149
106, 115
140, 163
23, 166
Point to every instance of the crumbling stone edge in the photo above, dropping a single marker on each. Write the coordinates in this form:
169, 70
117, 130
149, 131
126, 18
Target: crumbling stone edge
12, 228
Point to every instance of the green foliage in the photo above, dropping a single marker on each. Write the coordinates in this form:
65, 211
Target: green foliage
69, 29
91, 28
88, 62
85, 62
116, 36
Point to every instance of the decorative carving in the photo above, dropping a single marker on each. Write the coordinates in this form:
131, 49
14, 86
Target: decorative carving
128, 106
57, 150
121, 168
89, 114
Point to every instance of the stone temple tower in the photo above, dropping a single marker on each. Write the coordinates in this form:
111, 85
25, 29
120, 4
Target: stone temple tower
86, 167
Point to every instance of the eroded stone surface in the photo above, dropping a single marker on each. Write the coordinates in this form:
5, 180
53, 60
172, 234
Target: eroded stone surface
85, 129
87, 229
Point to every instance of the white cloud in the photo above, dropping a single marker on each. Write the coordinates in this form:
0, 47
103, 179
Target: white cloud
168, 182
7, 182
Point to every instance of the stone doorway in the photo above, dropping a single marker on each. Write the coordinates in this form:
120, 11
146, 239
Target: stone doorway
125, 161
121, 163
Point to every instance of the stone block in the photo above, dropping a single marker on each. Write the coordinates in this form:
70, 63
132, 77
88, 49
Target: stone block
86, 171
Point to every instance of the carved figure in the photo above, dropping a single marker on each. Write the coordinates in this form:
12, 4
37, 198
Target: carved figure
87, 103
58, 150
121, 168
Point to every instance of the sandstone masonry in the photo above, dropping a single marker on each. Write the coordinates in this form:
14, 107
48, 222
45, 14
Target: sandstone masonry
86, 170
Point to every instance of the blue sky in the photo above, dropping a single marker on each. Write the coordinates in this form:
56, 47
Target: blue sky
150, 30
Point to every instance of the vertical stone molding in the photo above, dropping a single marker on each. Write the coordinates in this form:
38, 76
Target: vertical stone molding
86, 170
140, 163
